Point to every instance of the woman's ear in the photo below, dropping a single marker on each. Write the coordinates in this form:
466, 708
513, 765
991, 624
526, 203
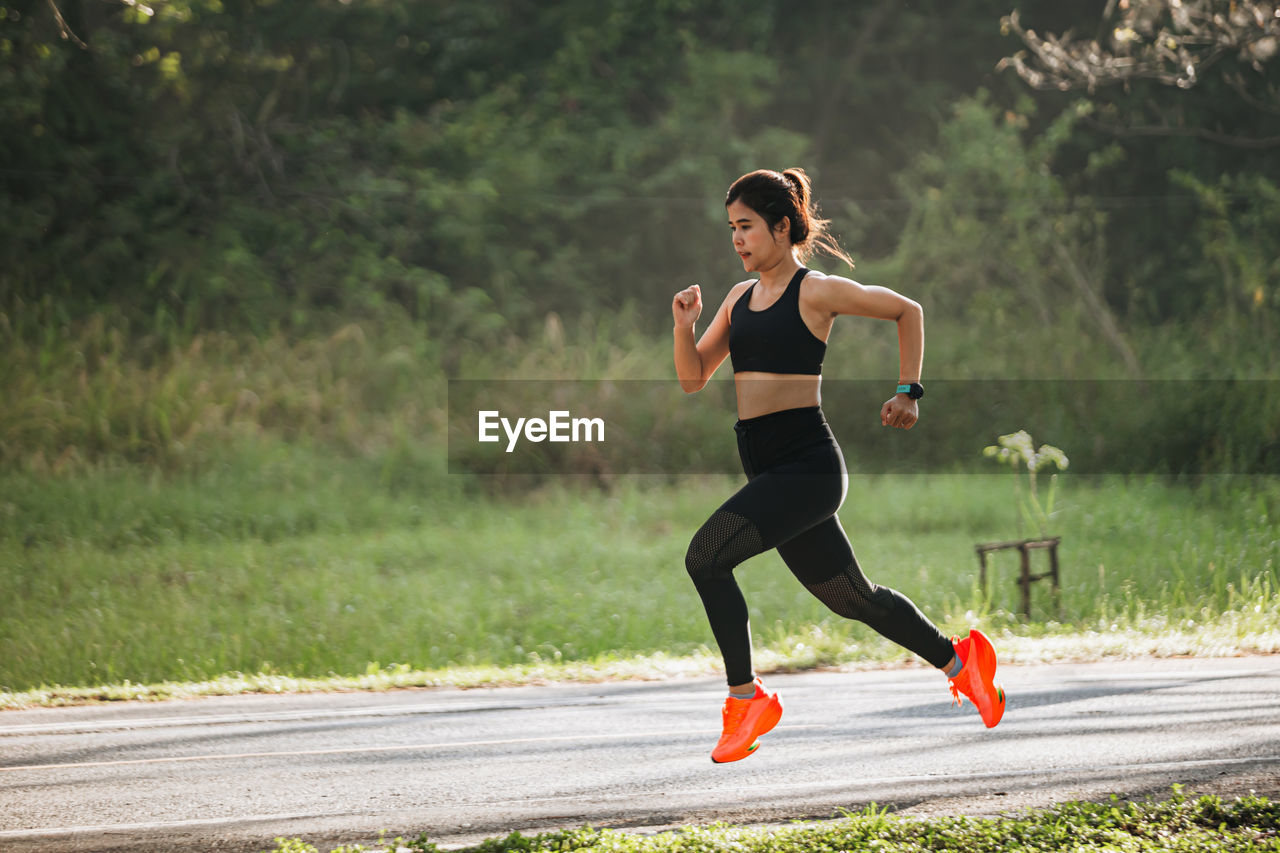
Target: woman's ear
783, 228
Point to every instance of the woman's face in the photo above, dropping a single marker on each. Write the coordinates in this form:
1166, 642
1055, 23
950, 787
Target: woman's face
759, 249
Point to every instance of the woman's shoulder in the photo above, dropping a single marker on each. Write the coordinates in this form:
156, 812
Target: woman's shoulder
820, 286
735, 292
828, 294
816, 279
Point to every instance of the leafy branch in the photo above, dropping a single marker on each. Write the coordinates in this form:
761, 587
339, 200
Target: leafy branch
1019, 451
63, 29
1172, 42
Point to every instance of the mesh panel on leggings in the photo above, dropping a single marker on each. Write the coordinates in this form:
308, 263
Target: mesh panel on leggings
724, 541
891, 613
850, 595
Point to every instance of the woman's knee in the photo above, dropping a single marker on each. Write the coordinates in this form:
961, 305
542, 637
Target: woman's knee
851, 595
724, 541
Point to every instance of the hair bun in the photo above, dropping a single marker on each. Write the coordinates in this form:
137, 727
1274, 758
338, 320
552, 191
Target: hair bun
798, 179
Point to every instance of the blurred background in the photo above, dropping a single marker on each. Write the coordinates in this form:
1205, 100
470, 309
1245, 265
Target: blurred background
414, 190
247, 242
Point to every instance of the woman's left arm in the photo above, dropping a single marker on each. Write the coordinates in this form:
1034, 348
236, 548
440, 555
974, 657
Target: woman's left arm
844, 296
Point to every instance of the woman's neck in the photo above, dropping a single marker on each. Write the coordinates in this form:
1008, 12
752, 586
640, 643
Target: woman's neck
778, 275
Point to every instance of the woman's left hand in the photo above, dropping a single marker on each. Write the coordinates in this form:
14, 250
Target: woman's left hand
900, 411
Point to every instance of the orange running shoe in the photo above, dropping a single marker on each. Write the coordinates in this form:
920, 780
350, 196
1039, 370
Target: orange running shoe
977, 679
744, 721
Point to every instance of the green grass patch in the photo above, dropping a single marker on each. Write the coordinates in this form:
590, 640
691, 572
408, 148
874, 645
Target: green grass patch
1181, 823
292, 566
221, 513
76, 400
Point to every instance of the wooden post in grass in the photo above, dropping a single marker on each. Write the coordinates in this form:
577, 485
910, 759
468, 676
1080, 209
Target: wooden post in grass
1025, 577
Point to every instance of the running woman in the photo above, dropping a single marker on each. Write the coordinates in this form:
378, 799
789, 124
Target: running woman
774, 330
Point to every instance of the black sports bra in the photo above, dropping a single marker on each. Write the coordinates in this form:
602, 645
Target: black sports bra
774, 340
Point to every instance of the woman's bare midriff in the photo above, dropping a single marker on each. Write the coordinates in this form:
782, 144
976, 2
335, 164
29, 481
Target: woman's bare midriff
765, 393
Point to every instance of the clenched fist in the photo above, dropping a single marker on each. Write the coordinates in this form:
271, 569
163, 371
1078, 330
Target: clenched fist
899, 411
686, 307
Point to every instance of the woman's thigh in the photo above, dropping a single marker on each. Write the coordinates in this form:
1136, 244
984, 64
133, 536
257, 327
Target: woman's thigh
819, 553
784, 505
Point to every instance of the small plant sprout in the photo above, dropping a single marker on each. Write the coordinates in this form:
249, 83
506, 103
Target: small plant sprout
1018, 450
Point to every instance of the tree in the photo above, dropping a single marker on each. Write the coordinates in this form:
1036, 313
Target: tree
1171, 43
1179, 106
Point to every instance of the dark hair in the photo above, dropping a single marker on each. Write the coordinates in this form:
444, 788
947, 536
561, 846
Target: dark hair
787, 195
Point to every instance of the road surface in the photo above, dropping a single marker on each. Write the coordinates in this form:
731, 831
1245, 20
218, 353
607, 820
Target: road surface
232, 773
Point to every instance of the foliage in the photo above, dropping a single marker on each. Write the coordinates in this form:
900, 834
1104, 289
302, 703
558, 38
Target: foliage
240, 221
249, 165
1018, 451
1197, 102
86, 397
78, 400
995, 236
201, 165
417, 845
1183, 823
1236, 235
1173, 42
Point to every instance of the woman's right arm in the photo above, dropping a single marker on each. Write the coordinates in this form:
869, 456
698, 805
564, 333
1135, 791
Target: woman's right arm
695, 363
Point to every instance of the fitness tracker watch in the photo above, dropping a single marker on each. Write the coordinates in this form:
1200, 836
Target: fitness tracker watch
914, 390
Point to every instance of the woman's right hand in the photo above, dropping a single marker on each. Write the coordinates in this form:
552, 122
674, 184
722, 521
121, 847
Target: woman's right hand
686, 307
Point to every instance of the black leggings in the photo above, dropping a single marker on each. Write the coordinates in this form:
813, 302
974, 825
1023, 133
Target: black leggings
796, 480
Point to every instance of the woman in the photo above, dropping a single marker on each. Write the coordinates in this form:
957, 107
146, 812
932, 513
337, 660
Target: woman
774, 329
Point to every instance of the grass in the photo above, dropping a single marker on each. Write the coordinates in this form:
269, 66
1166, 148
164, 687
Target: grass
222, 513
1180, 823
74, 398
289, 567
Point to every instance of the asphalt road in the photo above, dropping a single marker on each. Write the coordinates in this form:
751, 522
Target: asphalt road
233, 773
